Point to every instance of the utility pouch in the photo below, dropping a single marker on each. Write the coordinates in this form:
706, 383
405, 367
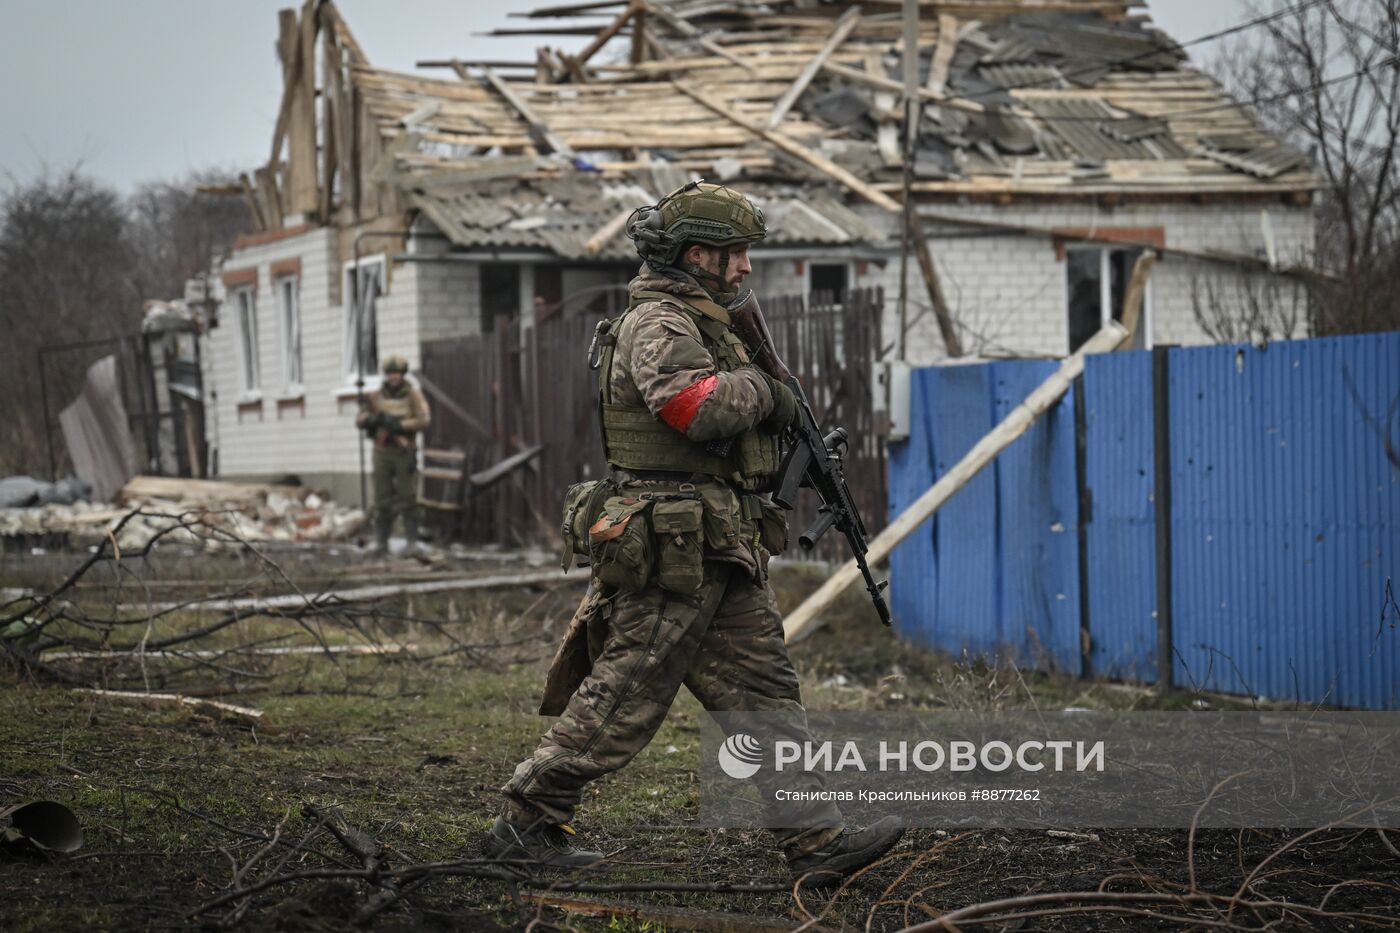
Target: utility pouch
757, 458
773, 527
581, 504
619, 543
680, 560
722, 518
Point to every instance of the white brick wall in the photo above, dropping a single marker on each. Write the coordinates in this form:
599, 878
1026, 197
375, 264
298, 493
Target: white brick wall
319, 436
449, 298
1010, 293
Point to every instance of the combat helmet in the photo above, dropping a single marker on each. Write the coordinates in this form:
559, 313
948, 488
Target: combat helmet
395, 364
700, 212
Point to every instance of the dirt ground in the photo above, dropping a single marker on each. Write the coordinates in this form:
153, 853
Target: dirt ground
184, 808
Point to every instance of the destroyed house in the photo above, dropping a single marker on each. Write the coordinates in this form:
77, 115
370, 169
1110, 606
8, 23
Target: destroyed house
1057, 143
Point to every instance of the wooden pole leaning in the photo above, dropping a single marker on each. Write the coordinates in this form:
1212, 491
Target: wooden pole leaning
806, 619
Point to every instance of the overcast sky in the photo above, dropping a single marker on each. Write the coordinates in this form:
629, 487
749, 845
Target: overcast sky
145, 90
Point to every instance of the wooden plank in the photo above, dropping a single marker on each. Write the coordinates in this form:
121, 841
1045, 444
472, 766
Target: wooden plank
607, 232
568, 9
287, 50
875, 81
806, 618
251, 200
537, 126
344, 37
303, 196
843, 28
690, 31
606, 33
638, 53
330, 102
1137, 291
951, 342
269, 199
820, 162
544, 66
493, 474
942, 55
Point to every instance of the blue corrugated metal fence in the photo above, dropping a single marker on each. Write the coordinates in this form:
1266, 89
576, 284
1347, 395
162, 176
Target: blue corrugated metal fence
1285, 520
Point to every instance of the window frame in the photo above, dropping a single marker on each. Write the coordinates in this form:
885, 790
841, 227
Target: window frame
249, 363
290, 314
350, 280
1106, 309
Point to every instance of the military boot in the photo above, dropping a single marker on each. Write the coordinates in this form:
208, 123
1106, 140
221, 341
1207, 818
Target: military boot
847, 853
539, 844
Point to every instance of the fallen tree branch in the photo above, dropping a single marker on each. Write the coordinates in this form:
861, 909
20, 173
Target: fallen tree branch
209, 706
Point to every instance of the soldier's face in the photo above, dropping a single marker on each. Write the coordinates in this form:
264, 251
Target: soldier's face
707, 258
393, 378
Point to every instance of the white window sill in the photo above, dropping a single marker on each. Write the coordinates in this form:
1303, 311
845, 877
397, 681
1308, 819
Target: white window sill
350, 391
291, 393
246, 397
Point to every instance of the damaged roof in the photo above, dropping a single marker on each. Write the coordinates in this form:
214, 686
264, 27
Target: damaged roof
1019, 98
562, 213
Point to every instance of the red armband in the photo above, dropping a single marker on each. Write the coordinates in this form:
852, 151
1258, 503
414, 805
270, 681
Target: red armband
680, 411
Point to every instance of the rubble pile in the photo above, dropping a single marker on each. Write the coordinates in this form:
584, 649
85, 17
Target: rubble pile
254, 512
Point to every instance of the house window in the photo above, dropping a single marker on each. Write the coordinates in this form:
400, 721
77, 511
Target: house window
833, 278
246, 304
289, 305
1098, 282
364, 286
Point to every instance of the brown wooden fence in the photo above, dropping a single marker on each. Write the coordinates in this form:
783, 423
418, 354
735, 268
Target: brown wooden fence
503, 392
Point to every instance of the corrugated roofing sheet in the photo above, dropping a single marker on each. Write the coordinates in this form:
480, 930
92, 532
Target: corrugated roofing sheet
562, 214
1022, 76
1267, 161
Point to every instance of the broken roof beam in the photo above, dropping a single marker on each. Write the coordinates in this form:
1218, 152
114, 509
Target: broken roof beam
886, 84
793, 148
843, 28
568, 9
691, 31
607, 32
473, 63
943, 55
538, 128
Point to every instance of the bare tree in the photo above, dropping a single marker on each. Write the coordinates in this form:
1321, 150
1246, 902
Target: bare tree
1325, 76
65, 276
176, 227
77, 263
1248, 307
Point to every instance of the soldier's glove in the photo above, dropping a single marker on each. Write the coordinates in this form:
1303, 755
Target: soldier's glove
391, 423
784, 413
371, 423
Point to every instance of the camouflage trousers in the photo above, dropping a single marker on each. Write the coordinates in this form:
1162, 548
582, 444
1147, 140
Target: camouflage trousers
724, 643
395, 490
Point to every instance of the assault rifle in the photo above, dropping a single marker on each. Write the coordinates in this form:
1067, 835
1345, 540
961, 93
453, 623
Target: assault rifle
813, 460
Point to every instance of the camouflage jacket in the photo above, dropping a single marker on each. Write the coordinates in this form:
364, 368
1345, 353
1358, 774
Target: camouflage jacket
661, 363
408, 405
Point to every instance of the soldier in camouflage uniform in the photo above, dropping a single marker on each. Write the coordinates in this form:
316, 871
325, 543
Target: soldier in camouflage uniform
392, 416
679, 538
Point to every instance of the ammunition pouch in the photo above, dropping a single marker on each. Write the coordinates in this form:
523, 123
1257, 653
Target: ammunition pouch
773, 527
582, 503
620, 543
680, 558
